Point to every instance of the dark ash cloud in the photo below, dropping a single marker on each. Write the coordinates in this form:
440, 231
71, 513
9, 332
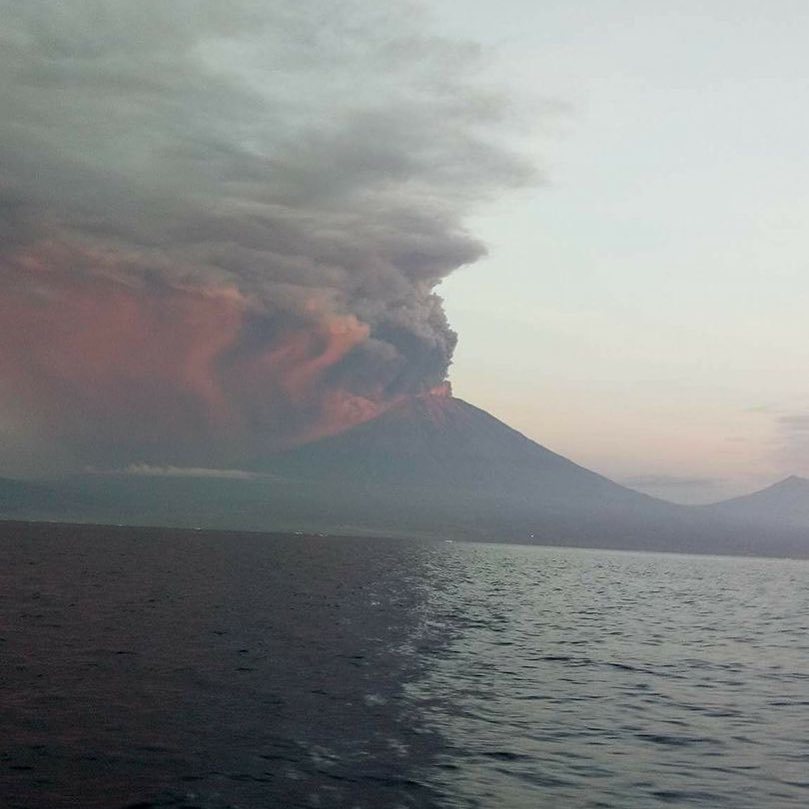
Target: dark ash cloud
222, 224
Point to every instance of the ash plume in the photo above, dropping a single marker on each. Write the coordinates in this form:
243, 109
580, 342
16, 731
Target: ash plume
222, 224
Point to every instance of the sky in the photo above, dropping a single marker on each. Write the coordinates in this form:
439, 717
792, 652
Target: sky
651, 296
227, 228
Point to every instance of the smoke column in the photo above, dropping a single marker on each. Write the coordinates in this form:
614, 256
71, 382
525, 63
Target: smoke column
222, 224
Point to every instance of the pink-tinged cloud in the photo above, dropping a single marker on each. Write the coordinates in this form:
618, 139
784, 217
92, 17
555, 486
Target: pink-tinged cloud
103, 360
222, 225
97, 360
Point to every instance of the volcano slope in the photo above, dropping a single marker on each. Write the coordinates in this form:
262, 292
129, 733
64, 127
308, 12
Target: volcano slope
435, 466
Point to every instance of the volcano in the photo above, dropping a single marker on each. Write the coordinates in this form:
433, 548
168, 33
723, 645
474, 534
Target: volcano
433, 465
439, 448
437, 464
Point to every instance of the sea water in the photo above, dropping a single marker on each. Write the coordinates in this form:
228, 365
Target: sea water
155, 668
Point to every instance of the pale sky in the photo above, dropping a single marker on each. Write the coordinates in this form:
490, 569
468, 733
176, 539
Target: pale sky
644, 312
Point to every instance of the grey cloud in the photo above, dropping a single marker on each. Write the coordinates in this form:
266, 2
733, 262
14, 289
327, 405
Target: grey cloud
675, 481
789, 443
794, 422
297, 151
684, 489
792, 441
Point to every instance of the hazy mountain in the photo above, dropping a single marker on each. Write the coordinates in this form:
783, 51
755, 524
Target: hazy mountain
16, 493
39, 501
440, 443
433, 465
437, 462
782, 504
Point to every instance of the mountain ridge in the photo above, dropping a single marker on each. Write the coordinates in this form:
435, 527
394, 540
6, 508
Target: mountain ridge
448, 439
785, 503
432, 465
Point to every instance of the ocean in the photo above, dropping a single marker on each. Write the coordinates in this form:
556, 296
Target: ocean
158, 668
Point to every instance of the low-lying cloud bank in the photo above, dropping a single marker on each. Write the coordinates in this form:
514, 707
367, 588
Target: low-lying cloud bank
144, 470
